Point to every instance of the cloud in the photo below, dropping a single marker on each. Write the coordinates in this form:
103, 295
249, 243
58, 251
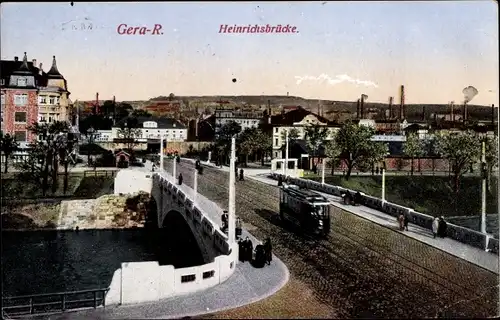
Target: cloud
322, 78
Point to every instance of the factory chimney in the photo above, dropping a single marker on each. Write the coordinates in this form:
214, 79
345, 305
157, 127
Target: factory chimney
402, 106
391, 100
452, 116
358, 103
97, 103
362, 106
423, 113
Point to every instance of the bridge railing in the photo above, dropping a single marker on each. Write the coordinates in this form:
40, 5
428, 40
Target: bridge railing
139, 282
461, 234
53, 302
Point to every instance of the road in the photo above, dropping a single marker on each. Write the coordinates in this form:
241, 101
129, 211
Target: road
362, 269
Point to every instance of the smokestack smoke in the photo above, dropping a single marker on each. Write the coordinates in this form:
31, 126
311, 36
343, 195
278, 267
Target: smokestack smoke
402, 106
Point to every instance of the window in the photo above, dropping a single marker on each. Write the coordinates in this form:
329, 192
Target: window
52, 100
57, 100
20, 99
276, 142
42, 99
21, 82
20, 117
41, 119
275, 130
20, 136
2, 82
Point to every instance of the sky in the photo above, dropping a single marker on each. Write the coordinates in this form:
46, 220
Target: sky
340, 49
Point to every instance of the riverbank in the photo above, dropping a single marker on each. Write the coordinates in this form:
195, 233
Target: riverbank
105, 212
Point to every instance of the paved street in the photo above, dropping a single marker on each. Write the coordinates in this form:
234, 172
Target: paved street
362, 270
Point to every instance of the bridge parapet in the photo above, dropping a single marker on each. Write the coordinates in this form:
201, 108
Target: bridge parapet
138, 282
458, 233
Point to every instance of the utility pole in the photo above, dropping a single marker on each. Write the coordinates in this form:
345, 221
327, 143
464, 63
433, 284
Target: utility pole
195, 184
285, 168
323, 171
484, 173
232, 193
161, 153
383, 185
498, 204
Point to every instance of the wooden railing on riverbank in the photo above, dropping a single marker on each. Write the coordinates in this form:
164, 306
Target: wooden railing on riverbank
37, 304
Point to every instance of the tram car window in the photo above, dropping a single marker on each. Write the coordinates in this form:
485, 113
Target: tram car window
305, 208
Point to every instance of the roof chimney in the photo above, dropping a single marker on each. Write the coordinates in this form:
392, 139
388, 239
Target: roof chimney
34, 63
402, 107
16, 58
40, 69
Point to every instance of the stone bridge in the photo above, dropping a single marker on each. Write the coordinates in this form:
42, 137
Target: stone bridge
137, 282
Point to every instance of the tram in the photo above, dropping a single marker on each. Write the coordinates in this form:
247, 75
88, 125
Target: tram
305, 208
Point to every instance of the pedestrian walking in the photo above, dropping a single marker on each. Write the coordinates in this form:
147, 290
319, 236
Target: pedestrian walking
241, 175
401, 219
442, 227
239, 227
406, 220
435, 226
224, 218
268, 249
180, 178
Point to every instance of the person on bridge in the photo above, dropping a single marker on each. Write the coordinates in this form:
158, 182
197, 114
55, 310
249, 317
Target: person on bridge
225, 219
180, 178
401, 219
197, 164
405, 221
268, 248
442, 227
178, 159
241, 175
435, 226
239, 228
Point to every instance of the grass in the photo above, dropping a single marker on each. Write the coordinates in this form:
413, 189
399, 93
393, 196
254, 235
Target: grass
427, 194
78, 187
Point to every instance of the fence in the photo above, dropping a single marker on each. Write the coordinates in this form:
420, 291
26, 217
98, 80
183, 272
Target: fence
37, 304
99, 173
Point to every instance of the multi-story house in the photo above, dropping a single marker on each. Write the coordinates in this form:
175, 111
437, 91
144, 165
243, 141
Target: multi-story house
53, 97
19, 92
151, 128
30, 95
246, 119
298, 119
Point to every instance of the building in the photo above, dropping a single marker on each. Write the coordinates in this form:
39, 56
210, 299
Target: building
245, 118
151, 129
53, 97
22, 86
164, 108
298, 119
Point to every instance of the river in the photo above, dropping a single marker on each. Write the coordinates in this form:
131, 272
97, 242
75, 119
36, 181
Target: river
36, 262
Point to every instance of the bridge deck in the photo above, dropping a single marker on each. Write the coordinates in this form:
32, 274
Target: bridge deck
363, 269
469, 253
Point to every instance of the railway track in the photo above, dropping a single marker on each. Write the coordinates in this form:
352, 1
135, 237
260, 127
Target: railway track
352, 271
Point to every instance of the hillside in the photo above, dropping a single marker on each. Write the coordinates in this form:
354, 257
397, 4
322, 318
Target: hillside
329, 107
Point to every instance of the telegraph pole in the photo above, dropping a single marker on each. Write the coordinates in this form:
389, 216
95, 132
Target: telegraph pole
285, 168
383, 184
232, 193
484, 173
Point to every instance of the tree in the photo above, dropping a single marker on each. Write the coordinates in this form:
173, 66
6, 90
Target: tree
315, 137
223, 140
356, 147
123, 110
108, 108
171, 97
413, 148
460, 149
42, 164
8, 145
265, 145
141, 113
247, 142
65, 146
332, 151
293, 135
129, 131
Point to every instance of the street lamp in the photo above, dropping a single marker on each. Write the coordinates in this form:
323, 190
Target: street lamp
90, 133
484, 173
